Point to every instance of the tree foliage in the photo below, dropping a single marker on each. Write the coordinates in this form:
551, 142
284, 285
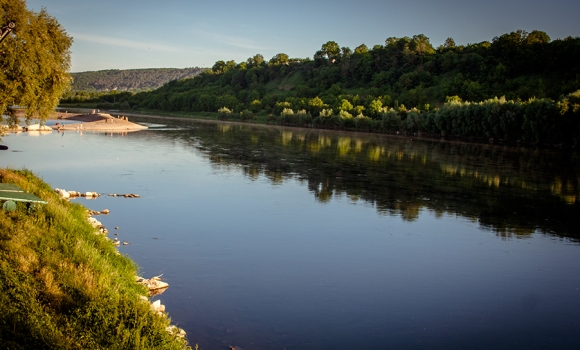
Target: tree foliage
36, 60
402, 86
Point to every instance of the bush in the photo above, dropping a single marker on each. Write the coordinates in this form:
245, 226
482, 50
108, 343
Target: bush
287, 117
363, 123
270, 118
224, 113
346, 119
246, 115
391, 121
304, 117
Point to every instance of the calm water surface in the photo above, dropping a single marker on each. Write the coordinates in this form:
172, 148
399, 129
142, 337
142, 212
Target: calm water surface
276, 238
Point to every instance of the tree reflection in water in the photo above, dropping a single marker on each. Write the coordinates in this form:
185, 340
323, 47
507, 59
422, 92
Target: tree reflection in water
514, 191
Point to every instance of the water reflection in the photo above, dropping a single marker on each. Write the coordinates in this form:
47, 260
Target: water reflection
270, 238
512, 191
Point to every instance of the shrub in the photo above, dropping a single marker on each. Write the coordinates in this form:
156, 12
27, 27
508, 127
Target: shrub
363, 123
304, 117
288, 117
326, 112
346, 119
270, 118
246, 115
224, 113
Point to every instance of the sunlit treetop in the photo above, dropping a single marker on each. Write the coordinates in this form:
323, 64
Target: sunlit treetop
35, 61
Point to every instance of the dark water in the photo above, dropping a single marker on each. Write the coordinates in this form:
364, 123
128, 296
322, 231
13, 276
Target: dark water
277, 238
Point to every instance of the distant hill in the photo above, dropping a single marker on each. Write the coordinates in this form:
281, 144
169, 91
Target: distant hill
130, 79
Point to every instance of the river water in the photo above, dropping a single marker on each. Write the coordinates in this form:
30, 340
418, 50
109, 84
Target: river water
280, 238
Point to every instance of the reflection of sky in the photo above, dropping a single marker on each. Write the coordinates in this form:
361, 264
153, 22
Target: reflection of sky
253, 262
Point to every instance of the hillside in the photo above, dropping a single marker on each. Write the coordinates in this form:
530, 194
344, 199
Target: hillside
519, 86
130, 79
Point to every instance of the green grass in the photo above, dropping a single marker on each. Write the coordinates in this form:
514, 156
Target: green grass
285, 84
64, 287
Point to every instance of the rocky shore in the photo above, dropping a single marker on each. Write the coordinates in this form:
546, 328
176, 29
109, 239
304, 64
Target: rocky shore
154, 285
64, 285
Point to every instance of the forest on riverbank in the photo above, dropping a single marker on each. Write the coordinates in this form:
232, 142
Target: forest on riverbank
519, 87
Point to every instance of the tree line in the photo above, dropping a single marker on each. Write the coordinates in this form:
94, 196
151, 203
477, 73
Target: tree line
405, 85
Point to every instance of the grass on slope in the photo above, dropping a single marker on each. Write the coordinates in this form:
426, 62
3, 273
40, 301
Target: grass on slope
64, 287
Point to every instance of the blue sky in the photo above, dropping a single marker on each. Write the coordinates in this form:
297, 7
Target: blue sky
127, 34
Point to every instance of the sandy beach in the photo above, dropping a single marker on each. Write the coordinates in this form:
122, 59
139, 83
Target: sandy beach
96, 122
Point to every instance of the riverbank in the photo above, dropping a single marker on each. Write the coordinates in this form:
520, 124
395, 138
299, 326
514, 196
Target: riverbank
273, 122
64, 286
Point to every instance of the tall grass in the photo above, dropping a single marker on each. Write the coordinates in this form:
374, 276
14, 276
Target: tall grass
64, 287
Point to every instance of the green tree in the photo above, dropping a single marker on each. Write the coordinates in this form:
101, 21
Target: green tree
449, 43
35, 61
255, 61
219, 67
537, 37
346, 52
316, 105
331, 50
358, 109
256, 106
375, 107
345, 105
420, 45
361, 49
279, 59
231, 64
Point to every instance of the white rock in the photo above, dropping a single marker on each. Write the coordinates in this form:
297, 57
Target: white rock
38, 127
94, 222
176, 331
64, 194
153, 283
157, 306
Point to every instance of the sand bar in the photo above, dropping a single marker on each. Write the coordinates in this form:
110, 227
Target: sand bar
96, 122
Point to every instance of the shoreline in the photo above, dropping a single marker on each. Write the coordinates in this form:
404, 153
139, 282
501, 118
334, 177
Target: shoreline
63, 283
421, 136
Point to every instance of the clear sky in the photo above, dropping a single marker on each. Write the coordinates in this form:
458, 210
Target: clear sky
125, 34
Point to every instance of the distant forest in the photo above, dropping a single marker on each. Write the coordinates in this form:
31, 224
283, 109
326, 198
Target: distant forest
519, 86
130, 79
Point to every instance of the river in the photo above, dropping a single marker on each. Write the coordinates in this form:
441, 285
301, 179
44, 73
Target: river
281, 238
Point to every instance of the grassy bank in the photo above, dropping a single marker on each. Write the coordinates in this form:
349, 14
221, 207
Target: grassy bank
64, 287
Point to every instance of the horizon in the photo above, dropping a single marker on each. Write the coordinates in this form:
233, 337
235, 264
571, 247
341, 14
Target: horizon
120, 36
